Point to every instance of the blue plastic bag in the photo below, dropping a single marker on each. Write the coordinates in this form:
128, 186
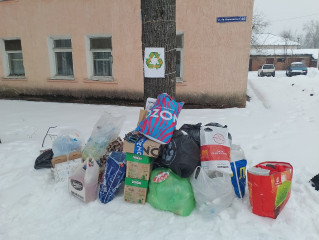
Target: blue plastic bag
114, 175
239, 177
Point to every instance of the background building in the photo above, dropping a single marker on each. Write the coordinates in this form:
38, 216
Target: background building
92, 49
279, 51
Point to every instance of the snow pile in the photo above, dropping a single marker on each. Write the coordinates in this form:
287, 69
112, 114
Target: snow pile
283, 52
280, 123
268, 39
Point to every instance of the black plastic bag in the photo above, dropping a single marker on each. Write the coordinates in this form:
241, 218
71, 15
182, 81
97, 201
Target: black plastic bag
44, 160
181, 154
193, 130
315, 182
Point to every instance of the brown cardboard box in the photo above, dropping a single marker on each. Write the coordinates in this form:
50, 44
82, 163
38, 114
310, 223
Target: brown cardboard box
143, 114
64, 158
149, 148
138, 166
135, 190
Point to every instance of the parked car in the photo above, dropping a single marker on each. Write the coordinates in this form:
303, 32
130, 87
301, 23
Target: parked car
266, 70
296, 68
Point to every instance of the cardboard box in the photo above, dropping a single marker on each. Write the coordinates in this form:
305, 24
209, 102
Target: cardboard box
138, 166
64, 158
135, 190
142, 116
142, 146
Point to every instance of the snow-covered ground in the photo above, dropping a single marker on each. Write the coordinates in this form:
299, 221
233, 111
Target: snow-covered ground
280, 123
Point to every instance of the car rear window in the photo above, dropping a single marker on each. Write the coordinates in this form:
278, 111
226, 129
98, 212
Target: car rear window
297, 65
269, 66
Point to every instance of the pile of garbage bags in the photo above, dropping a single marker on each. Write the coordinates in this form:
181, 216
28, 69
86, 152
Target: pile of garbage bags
176, 170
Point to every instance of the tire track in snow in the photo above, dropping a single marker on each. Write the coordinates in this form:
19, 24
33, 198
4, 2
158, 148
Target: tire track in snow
259, 95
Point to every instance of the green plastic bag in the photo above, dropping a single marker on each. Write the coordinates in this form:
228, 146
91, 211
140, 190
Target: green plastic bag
169, 192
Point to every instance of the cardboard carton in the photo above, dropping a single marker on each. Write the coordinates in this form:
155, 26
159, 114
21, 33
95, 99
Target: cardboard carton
142, 116
135, 190
143, 146
138, 166
64, 158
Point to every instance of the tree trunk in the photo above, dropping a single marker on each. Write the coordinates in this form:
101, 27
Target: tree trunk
159, 30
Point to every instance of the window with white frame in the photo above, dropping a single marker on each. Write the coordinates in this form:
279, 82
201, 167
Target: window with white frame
179, 57
100, 58
61, 60
14, 59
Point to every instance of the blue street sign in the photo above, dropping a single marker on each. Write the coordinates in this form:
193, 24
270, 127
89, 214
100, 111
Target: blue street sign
231, 19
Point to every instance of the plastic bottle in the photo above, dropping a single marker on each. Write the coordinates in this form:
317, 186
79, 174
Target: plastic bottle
83, 182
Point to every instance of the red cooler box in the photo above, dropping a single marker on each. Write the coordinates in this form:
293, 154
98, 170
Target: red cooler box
269, 185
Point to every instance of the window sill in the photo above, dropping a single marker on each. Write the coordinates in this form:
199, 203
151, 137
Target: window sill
180, 82
100, 78
103, 81
14, 78
62, 78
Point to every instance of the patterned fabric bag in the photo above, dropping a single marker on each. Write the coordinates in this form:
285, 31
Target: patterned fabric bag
160, 123
114, 175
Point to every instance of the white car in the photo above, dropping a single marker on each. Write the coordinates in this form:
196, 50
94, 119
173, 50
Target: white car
266, 70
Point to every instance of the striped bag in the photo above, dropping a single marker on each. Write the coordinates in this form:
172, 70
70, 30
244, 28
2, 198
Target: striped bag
160, 123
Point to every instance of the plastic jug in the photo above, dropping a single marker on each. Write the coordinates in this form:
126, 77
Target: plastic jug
83, 182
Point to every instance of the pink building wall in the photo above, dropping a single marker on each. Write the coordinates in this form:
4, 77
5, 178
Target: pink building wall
216, 55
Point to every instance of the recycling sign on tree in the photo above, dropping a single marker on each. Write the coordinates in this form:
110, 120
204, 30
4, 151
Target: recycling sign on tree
154, 63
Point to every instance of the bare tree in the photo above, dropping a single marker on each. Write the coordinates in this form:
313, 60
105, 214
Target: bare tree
311, 30
159, 30
258, 27
287, 34
292, 36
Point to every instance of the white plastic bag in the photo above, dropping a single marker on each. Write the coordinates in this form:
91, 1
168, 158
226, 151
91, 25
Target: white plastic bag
215, 149
212, 194
106, 129
62, 171
150, 103
236, 153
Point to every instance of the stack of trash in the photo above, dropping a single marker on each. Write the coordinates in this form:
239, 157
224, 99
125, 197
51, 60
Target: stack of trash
142, 146
83, 182
65, 154
178, 170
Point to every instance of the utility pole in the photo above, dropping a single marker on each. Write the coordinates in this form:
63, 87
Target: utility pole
159, 31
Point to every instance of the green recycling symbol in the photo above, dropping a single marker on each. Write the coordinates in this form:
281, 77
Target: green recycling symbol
159, 61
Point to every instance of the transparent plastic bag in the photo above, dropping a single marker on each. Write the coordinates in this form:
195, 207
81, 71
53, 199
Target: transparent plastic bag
67, 141
238, 165
212, 194
106, 129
